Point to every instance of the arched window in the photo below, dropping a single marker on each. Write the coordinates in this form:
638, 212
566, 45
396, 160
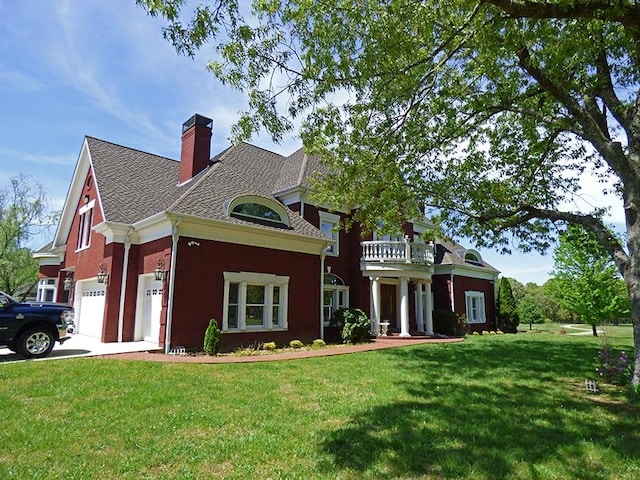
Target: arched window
473, 257
335, 296
258, 209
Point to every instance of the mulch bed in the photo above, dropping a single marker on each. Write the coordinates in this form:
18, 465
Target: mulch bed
376, 344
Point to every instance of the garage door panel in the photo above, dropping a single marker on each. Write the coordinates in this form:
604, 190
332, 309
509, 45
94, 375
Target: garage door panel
90, 312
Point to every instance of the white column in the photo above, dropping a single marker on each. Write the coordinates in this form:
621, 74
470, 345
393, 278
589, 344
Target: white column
375, 305
419, 307
404, 307
428, 309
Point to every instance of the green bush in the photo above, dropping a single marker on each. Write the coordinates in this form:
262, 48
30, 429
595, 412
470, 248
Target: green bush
212, 338
445, 322
356, 325
269, 346
296, 344
318, 343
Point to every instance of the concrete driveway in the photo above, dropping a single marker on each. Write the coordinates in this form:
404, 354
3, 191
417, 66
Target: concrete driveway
83, 346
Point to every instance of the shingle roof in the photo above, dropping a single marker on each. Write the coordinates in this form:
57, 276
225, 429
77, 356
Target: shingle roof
449, 252
296, 170
134, 185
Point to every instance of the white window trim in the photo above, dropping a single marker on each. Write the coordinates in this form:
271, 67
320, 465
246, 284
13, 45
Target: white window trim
268, 281
44, 286
334, 220
469, 296
335, 291
84, 228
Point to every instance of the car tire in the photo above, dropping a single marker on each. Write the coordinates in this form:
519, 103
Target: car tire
35, 342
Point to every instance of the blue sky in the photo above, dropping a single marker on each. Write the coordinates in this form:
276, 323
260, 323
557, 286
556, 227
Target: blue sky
70, 68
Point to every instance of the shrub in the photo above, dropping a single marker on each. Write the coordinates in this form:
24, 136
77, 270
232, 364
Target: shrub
485, 332
613, 368
212, 338
445, 322
269, 346
296, 344
318, 343
356, 327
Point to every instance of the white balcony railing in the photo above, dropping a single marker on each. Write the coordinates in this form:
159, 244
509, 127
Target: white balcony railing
402, 251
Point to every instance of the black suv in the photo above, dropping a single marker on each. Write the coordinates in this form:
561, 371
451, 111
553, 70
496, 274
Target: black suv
31, 329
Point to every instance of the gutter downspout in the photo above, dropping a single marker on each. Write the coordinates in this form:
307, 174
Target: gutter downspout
453, 293
123, 284
172, 268
322, 255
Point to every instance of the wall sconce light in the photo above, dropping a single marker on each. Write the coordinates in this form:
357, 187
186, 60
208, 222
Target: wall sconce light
103, 276
328, 268
68, 281
160, 273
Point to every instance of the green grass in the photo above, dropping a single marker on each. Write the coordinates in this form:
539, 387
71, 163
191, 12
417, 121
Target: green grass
492, 407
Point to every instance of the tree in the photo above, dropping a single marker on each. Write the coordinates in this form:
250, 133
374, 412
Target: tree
22, 214
517, 289
530, 311
490, 111
506, 309
588, 282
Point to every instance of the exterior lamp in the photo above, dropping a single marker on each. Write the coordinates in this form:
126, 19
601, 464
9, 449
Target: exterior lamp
160, 273
103, 276
68, 281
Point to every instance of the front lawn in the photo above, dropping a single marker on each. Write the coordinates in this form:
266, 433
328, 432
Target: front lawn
492, 407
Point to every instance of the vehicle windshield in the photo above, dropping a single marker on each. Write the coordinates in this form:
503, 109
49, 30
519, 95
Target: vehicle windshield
4, 296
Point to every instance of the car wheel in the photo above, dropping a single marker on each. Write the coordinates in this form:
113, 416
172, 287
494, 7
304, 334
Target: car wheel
36, 342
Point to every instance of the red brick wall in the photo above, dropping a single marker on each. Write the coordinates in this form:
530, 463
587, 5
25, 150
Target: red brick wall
199, 289
442, 287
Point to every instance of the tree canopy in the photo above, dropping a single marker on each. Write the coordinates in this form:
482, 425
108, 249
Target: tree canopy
22, 213
488, 112
588, 282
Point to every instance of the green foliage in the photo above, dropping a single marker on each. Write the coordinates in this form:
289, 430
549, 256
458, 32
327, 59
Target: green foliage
356, 325
587, 282
269, 346
318, 343
508, 103
445, 322
23, 215
506, 309
530, 311
296, 344
212, 338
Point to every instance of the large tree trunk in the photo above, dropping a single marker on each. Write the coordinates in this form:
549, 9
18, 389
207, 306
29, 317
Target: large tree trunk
632, 275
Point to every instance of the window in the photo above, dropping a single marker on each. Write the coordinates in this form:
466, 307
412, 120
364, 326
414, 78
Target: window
85, 215
335, 296
264, 211
46, 290
475, 307
254, 301
329, 224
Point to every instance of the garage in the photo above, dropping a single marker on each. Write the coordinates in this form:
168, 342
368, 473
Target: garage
150, 308
90, 300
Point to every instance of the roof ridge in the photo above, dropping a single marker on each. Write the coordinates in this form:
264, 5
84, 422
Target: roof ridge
130, 148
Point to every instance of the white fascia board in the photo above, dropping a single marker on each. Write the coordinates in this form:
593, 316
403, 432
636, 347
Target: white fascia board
47, 258
73, 196
466, 271
116, 232
291, 195
246, 235
370, 269
153, 228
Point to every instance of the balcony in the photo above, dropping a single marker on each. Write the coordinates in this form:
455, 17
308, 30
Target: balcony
397, 252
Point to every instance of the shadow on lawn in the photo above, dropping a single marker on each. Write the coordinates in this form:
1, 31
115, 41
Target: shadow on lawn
477, 423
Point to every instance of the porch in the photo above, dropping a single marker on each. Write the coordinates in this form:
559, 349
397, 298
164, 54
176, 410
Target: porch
391, 266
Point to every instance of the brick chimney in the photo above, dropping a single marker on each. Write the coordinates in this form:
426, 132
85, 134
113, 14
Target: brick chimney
196, 146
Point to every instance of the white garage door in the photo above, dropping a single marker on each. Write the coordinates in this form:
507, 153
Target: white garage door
90, 309
151, 310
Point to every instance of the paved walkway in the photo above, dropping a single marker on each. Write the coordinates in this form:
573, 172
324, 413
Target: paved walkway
377, 344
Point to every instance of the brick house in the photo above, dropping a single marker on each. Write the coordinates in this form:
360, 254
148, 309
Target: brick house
149, 248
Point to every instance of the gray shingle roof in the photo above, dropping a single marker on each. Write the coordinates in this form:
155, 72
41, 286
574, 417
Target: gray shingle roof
134, 185
447, 253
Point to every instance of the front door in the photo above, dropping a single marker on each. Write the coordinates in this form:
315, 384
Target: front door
388, 304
